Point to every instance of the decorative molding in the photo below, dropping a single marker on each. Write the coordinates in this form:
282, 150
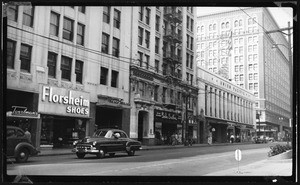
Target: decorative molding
12, 74
26, 77
53, 82
67, 85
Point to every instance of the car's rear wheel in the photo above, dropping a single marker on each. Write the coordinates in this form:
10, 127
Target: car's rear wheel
101, 154
111, 154
22, 155
131, 152
80, 155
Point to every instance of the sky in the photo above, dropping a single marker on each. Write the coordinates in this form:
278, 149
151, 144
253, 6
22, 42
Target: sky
281, 15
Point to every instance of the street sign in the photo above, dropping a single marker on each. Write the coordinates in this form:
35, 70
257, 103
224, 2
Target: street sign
238, 155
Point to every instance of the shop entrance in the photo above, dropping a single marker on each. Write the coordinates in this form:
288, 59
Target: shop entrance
142, 125
108, 117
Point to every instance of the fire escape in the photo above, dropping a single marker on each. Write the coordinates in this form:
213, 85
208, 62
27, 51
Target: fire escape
172, 42
172, 47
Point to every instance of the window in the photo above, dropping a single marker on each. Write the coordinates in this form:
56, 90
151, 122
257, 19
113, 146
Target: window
51, 64
117, 18
25, 57
81, 9
148, 16
80, 34
54, 24
68, 29
28, 16
157, 21
164, 95
140, 35
13, 12
157, 66
164, 66
156, 45
147, 61
66, 64
187, 60
192, 25
156, 92
79, 71
105, 43
106, 14
11, 48
115, 49
103, 77
192, 43
141, 13
141, 58
188, 23
114, 78
147, 39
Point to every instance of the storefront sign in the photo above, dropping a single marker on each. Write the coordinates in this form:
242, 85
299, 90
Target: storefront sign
18, 111
167, 115
64, 102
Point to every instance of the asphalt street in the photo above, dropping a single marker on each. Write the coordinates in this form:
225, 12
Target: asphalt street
186, 161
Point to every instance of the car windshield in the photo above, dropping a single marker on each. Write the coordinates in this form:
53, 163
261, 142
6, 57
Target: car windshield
103, 133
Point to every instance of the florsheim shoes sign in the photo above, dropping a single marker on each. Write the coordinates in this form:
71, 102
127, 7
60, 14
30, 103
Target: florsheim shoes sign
65, 102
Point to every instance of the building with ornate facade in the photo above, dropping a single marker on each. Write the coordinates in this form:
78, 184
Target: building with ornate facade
163, 91
237, 46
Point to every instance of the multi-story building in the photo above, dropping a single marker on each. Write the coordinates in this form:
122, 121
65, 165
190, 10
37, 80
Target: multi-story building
72, 69
225, 109
162, 79
67, 70
236, 45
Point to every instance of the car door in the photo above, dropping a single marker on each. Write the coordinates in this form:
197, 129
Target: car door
11, 141
122, 141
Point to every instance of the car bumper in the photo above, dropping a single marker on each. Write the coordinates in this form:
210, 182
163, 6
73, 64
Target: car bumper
92, 150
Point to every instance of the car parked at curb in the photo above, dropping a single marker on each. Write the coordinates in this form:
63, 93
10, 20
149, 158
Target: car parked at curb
18, 145
260, 139
106, 141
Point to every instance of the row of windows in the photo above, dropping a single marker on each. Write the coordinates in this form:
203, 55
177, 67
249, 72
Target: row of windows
66, 67
28, 15
25, 55
189, 42
105, 45
104, 77
189, 23
141, 40
144, 14
107, 14
226, 25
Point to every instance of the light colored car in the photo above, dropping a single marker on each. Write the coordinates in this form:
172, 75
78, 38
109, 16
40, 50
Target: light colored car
18, 145
106, 141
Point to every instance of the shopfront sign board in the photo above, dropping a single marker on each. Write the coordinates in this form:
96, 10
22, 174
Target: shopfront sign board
64, 102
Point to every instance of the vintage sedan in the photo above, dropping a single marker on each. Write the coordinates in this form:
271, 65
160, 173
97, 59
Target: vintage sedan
18, 145
106, 141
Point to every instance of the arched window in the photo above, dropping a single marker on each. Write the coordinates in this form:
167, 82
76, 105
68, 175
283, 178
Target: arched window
236, 23
210, 27
227, 24
223, 25
214, 27
241, 22
249, 21
202, 28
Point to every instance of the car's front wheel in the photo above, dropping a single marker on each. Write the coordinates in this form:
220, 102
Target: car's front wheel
22, 155
101, 154
131, 152
80, 155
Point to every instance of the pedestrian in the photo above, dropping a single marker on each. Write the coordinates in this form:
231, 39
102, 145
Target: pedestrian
231, 138
28, 135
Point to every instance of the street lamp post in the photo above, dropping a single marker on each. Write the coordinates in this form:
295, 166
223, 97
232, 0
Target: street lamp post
258, 114
186, 135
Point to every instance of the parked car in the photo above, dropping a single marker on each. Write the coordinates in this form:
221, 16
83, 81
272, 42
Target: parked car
270, 139
106, 141
260, 139
18, 145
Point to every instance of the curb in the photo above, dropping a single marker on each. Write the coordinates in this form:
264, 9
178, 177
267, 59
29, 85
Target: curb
145, 148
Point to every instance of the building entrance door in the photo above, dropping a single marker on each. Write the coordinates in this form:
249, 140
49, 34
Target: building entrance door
142, 125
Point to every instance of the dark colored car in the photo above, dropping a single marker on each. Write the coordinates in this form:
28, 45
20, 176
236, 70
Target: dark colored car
18, 145
260, 139
106, 141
